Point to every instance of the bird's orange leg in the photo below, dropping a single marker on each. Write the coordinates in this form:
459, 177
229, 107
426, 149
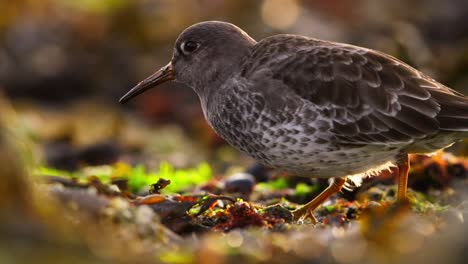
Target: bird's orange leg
306, 210
403, 168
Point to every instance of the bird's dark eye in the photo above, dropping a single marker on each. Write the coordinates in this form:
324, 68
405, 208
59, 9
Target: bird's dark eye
189, 46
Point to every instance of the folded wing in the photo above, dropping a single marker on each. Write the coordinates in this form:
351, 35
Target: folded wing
371, 97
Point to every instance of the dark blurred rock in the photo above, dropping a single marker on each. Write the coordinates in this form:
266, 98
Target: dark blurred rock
241, 183
260, 172
99, 154
62, 156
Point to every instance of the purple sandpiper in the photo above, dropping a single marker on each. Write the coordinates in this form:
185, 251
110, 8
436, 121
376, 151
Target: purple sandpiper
312, 107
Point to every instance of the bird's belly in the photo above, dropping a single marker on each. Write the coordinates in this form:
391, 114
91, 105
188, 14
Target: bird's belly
290, 149
328, 162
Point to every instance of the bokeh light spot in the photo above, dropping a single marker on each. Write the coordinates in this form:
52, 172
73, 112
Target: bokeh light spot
280, 14
234, 239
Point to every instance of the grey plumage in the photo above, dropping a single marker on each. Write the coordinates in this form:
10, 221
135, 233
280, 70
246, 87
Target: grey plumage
369, 97
313, 107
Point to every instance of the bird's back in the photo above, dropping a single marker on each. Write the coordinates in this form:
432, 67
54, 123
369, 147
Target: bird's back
368, 96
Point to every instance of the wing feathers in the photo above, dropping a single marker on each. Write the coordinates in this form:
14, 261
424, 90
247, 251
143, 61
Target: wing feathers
370, 97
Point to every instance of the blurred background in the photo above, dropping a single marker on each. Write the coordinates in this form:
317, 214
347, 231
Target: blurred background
64, 64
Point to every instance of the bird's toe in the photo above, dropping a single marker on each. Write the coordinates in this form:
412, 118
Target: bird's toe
303, 214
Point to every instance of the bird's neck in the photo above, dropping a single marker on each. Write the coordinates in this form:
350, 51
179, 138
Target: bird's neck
223, 66
218, 72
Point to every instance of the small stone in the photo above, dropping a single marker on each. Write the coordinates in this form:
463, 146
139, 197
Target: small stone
242, 183
259, 172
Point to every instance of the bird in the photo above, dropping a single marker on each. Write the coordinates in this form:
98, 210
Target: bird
312, 107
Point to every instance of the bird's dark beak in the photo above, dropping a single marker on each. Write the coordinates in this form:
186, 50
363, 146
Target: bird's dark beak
164, 74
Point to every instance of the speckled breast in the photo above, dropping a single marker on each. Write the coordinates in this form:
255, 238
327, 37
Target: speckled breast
282, 138
294, 140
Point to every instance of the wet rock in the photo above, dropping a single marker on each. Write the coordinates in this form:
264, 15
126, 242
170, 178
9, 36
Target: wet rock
241, 183
259, 172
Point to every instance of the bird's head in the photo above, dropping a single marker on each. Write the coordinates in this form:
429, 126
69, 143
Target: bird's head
205, 54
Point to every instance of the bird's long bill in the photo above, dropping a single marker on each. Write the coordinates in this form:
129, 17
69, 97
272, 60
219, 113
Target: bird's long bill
164, 74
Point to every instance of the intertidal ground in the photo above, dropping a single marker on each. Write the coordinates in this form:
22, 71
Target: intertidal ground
115, 205
86, 180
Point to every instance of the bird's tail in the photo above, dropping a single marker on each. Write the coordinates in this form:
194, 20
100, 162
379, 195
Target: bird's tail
453, 115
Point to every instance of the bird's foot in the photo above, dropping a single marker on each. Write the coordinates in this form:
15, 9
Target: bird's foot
403, 201
304, 213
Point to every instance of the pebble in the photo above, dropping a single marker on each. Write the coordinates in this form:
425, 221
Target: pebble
242, 183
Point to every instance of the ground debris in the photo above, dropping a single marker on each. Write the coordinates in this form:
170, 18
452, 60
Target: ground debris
203, 225
244, 214
158, 186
